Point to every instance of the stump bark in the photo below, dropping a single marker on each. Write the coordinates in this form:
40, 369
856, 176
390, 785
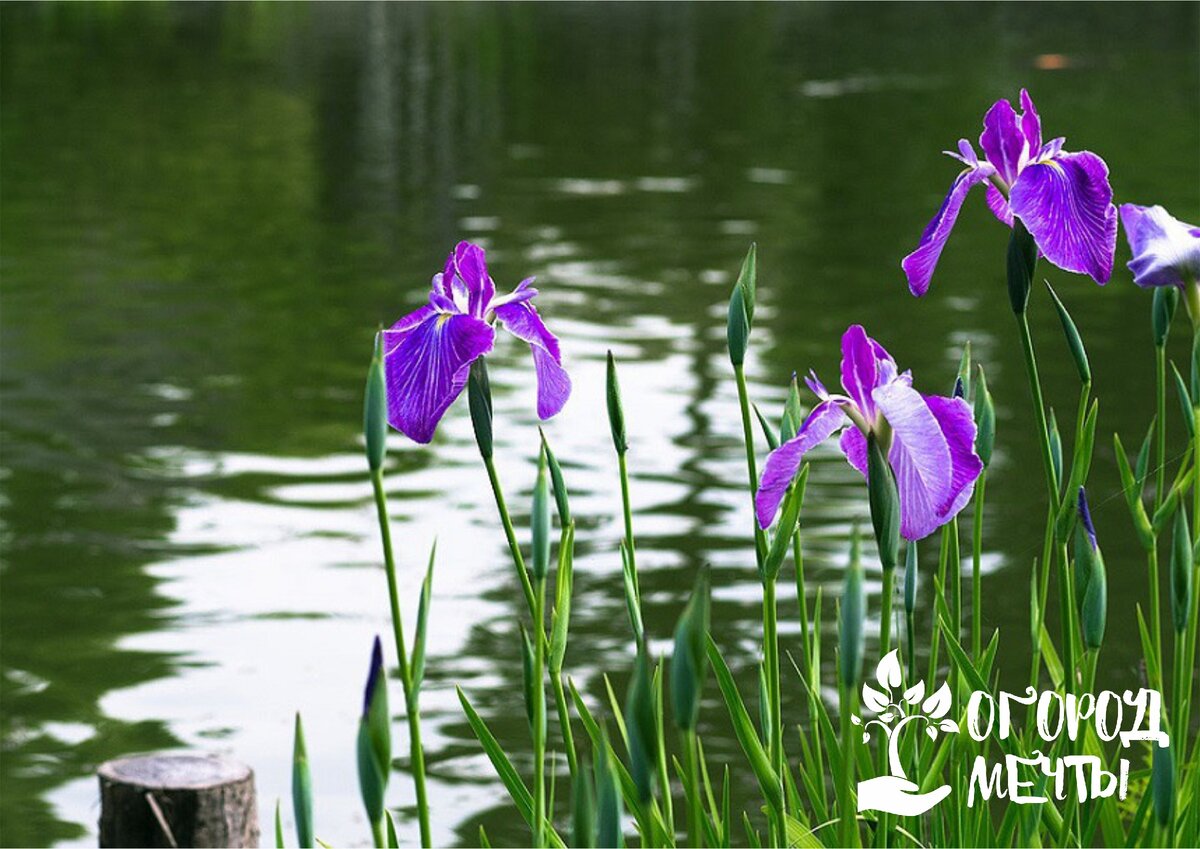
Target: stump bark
177, 800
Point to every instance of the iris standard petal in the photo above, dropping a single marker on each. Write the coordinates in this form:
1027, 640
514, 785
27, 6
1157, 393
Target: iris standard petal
920, 457
521, 319
918, 266
958, 426
783, 463
860, 370
471, 265
1066, 203
1031, 123
1002, 140
426, 368
1166, 251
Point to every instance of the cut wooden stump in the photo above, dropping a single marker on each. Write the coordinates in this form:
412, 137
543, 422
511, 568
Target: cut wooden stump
177, 800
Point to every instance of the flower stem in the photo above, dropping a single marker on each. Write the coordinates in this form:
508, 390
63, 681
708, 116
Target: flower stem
513, 546
539, 716
885, 616
774, 692
628, 513
564, 722
848, 825
976, 568
1160, 423
760, 537
416, 751
695, 807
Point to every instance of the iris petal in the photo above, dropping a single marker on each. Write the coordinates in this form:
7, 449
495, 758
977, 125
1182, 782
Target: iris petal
1031, 123
1066, 202
860, 371
1166, 252
958, 427
998, 204
1002, 140
854, 446
783, 463
471, 265
521, 319
919, 265
920, 457
426, 366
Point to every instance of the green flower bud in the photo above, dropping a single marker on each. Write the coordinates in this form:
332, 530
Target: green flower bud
1166, 300
616, 413
302, 799
1056, 455
375, 411
641, 726
608, 801
885, 504
374, 739
689, 664
741, 308
1162, 785
479, 399
985, 421
964, 372
1022, 261
539, 522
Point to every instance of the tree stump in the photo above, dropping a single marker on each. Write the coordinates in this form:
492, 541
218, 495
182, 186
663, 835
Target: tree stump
177, 800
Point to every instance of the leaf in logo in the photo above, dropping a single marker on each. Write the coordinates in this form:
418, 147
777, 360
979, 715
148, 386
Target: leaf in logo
888, 673
938, 705
873, 699
915, 693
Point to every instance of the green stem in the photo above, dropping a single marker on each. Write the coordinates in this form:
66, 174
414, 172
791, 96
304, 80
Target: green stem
1155, 623
694, 803
1070, 633
802, 598
539, 717
628, 513
513, 546
760, 537
416, 751
564, 722
848, 825
1160, 423
1039, 407
377, 834
774, 692
885, 616
976, 569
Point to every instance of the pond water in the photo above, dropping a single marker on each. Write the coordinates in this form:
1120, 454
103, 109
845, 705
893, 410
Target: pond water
208, 209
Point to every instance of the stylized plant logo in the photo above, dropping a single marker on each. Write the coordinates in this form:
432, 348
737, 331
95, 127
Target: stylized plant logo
895, 793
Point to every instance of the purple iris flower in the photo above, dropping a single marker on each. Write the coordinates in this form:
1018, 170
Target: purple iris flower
1166, 252
931, 438
428, 353
1063, 199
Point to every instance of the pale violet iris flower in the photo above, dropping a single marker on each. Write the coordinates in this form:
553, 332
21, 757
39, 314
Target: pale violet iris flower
1063, 199
930, 438
1166, 252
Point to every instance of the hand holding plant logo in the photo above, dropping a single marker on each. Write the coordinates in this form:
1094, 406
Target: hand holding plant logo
895, 793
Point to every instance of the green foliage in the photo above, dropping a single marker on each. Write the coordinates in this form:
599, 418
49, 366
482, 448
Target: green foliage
302, 798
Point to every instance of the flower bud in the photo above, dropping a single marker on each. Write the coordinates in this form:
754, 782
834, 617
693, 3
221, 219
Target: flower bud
479, 399
539, 522
1074, 340
1022, 260
616, 412
374, 738
608, 800
375, 410
1162, 784
853, 614
741, 308
689, 664
1056, 456
962, 383
536, 718
1093, 614
885, 504
1181, 572
985, 421
641, 726
302, 800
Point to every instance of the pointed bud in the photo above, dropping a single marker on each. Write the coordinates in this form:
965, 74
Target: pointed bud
1022, 260
1181, 572
374, 738
741, 308
561, 501
479, 399
609, 810
689, 664
1093, 608
641, 726
853, 615
375, 410
1074, 340
539, 522
1056, 455
616, 413
1162, 785
885, 504
963, 382
985, 421
1166, 300
302, 803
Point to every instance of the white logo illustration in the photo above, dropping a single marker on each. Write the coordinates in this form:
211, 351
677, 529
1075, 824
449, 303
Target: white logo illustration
895, 793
